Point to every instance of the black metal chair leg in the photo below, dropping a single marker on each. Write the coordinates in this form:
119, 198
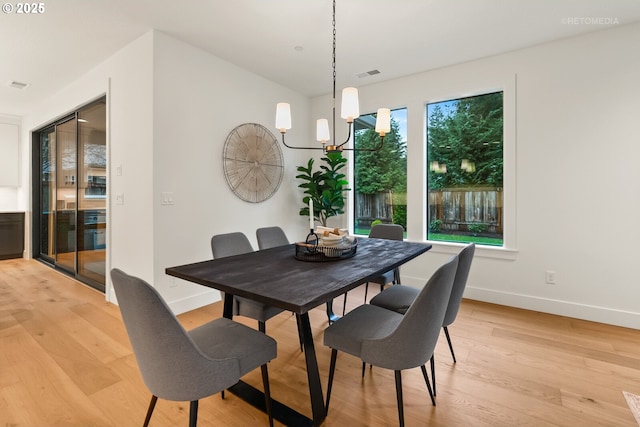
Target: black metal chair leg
446, 333
399, 397
433, 372
262, 327
267, 393
152, 405
193, 413
332, 369
426, 379
366, 289
344, 303
363, 366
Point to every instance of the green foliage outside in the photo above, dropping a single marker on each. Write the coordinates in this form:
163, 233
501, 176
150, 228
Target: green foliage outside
443, 237
468, 128
384, 170
471, 130
325, 187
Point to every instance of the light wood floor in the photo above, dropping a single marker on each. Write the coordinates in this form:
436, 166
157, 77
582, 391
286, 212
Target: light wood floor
65, 360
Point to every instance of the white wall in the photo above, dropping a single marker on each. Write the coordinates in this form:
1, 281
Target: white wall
198, 100
11, 182
127, 80
576, 182
170, 108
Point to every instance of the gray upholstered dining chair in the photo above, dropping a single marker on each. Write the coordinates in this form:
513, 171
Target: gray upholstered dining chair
382, 231
187, 366
399, 298
390, 340
229, 244
270, 237
390, 232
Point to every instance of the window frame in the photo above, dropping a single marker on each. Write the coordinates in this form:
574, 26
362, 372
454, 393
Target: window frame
508, 88
439, 87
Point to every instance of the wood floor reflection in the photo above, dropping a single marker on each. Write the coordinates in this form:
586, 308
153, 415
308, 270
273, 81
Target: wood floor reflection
65, 360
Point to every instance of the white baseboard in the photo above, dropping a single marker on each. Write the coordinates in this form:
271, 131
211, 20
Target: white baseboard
194, 301
592, 313
185, 304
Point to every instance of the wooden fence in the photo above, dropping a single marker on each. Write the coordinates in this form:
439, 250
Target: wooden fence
454, 209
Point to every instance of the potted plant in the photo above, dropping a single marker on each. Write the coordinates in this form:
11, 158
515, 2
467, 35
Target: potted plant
326, 187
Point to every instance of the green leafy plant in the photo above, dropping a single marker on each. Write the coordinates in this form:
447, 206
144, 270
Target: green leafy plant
477, 228
435, 225
325, 187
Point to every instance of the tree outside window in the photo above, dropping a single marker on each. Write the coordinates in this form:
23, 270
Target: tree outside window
465, 169
380, 177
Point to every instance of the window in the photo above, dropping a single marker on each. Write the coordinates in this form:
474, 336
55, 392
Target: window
465, 170
380, 177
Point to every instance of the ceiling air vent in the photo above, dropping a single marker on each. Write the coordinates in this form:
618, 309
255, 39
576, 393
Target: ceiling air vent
18, 85
368, 73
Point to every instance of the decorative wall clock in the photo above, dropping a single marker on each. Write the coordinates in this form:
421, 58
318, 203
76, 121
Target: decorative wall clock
252, 160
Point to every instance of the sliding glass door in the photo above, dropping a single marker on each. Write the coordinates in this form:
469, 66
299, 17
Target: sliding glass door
66, 189
71, 173
92, 192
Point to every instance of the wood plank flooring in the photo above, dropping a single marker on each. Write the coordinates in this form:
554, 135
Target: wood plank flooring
65, 360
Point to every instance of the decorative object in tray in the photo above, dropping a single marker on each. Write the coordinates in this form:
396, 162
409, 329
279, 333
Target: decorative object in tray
326, 244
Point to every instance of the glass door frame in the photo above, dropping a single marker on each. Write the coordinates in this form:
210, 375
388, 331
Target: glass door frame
37, 197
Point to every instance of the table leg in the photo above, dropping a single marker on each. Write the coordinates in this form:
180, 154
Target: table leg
227, 311
313, 375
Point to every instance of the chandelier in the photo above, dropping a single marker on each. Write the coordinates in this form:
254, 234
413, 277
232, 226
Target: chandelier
350, 111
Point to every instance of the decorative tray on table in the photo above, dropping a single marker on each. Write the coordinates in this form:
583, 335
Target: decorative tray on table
326, 248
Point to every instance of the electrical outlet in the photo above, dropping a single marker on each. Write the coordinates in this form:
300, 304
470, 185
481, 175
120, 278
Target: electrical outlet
550, 277
167, 198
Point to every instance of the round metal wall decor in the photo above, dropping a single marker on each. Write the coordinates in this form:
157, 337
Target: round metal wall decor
252, 161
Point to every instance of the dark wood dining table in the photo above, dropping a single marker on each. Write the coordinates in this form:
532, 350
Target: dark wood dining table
276, 277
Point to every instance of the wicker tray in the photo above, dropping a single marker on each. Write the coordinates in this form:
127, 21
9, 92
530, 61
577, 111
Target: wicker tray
308, 252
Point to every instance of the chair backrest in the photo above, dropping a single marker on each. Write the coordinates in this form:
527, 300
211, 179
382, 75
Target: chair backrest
171, 364
229, 244
387, 231
460, 282
270, 237
412, 343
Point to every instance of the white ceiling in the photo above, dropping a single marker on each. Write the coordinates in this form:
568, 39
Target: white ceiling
401, 37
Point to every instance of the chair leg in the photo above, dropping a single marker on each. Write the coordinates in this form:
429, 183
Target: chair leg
152, 405
193, 413
366, 289
446, 333
267, 393
332, 369
364, 365
426, 379
433, 372
262, 327
344, 303
399, 397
